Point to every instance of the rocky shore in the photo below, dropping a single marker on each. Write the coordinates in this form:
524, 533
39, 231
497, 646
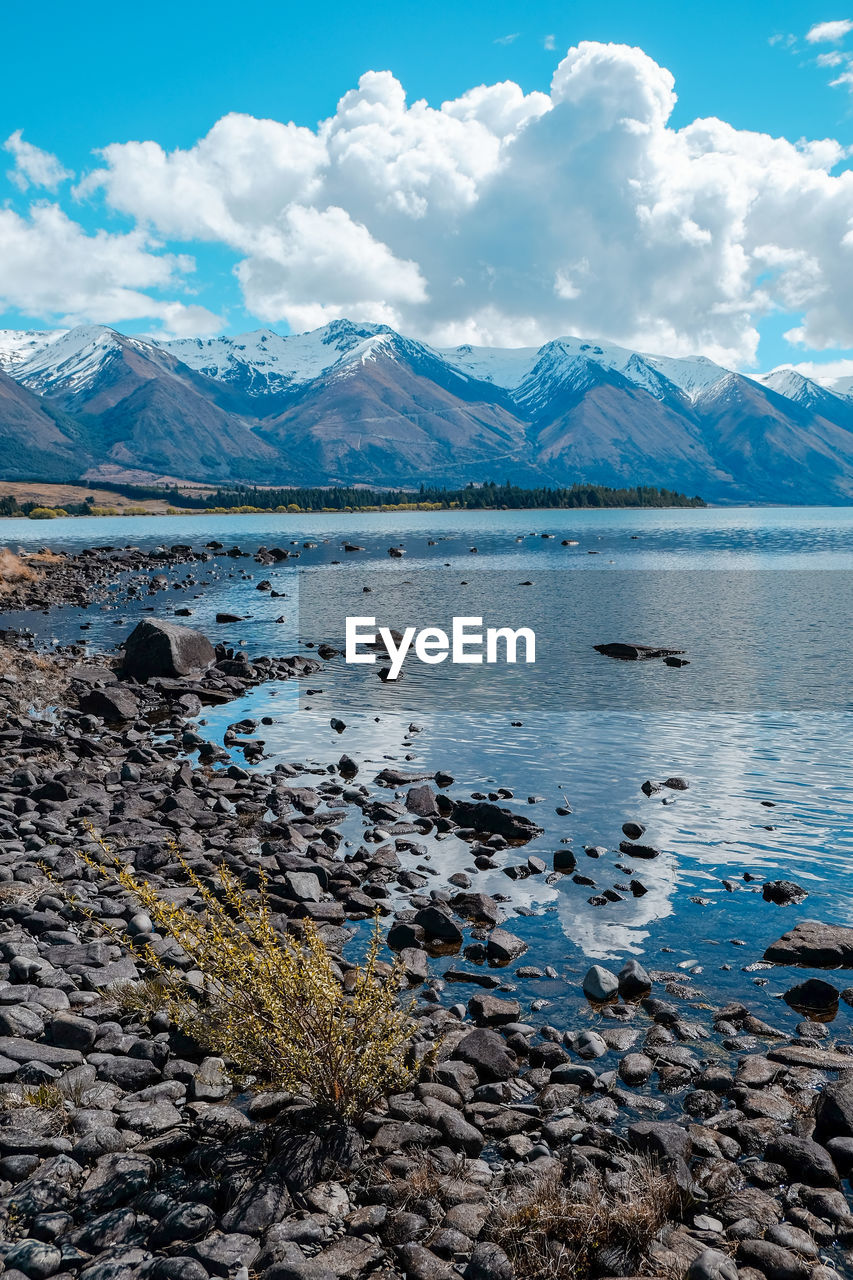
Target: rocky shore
672, 1137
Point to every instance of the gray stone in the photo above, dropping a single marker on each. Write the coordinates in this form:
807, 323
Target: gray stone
502, 947
35, 1258
600, 984
115, 1180
487, 1053
814, 946
157, 648
711, 1264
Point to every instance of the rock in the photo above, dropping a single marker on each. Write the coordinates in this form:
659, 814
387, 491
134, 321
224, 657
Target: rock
636, 1068
711, 1264
783, 892
490, 1011
420, 1263
438, 926
503, 947
222, 1254
487, 1053
210, 1082
116, 1179
422, 802
634, 981
804, 1160
589, 1044
156, 648
814, 945
834, 1110
772, 1260
112, 705
665, 1140
600, 984
36, 1258
632, 850
70, 1032
813, 996
489, 1262
633, 830
482, 816
635, 652
263, 1202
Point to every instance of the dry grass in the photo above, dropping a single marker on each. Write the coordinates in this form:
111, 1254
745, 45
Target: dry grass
62, 495
14, 570
596, 1223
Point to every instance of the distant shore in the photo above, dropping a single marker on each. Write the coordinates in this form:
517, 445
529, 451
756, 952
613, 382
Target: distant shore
37, 500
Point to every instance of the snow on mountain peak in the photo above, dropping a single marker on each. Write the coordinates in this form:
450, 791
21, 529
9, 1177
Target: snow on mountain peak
73, 359
18, 345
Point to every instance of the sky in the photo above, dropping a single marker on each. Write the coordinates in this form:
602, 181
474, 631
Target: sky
673, 177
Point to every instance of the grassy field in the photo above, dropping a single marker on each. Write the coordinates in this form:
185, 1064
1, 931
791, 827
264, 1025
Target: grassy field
60, 495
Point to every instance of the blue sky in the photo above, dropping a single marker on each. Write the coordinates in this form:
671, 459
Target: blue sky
86, 78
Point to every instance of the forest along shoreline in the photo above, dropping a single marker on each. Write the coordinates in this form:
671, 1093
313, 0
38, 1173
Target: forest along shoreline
491, 1146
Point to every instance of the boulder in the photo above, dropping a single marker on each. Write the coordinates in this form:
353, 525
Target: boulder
487, 1053
635, 652
600, 984
634, 980
482, 816
814, 945
783, 892
111, 705
157, 648
834, 1111
813, 996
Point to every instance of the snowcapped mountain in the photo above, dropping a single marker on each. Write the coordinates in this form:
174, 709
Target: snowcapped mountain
361, 403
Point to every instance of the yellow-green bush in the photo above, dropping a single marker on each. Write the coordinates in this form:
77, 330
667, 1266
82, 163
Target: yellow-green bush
274, 1006
46, 513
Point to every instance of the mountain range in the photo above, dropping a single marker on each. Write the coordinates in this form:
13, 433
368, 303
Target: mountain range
360, 403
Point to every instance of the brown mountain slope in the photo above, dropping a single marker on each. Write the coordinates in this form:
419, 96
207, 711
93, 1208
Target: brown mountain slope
385, 421
36, 439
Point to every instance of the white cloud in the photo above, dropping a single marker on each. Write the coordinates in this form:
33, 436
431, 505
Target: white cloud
50, 267
510, 39
508, 217
829, 32
550, 43
33, 167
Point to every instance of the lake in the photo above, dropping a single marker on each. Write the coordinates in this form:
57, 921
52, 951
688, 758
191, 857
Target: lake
759, 723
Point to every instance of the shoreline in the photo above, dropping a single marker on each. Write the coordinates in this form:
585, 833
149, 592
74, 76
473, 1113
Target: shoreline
743, 1125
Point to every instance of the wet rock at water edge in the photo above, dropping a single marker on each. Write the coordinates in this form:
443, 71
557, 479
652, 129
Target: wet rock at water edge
600, 984
157, 648
783, 892
814, 945
813, 997
635, 652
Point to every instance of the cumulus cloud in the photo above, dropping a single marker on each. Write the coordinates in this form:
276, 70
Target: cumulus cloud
829, 32
508, 217
33, 167
50, 267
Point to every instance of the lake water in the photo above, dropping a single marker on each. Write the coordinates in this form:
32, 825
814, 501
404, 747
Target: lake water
760, 599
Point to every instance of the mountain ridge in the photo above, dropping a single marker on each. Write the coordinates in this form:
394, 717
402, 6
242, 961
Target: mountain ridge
361, 403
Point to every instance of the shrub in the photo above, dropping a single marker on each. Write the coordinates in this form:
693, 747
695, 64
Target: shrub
46, 513
594, 1222
274, 1006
